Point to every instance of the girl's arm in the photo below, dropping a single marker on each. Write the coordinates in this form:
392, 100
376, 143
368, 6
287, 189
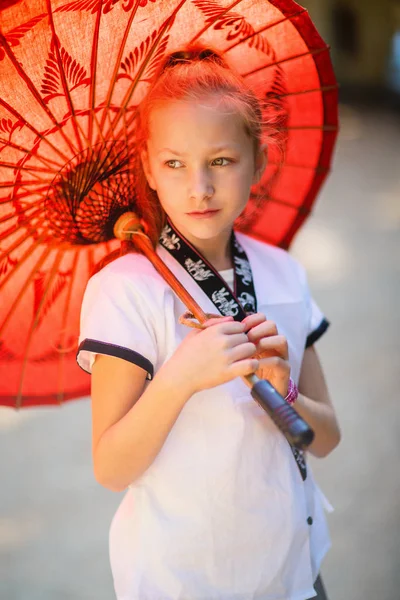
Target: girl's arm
130, 425
131, 422
315, 406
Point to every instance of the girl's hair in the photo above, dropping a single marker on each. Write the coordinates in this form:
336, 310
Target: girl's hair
192, 75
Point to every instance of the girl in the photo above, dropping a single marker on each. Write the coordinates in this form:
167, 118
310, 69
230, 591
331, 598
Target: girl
217, 507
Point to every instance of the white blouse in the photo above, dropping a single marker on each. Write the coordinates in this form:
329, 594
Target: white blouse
222, 512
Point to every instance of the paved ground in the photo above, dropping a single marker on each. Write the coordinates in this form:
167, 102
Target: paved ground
53, 516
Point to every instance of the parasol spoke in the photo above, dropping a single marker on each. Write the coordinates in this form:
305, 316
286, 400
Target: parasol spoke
113, 80
323, 89
93, 72
275, 63
272, 200
75, 124
90, 259
22, 259
267, 27
27, 194
308, 128
28, 169
35, 322
42, 137
31, 230
317, 168
28, 208
11, 184
65, 317
27, 283
14, 215
160, 37
43, 159
31, 87
213, 20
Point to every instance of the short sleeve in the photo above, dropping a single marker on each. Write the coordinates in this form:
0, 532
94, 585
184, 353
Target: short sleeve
117, 319
317, 323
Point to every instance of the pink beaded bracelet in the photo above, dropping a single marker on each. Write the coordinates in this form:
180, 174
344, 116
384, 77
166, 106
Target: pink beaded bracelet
292, 393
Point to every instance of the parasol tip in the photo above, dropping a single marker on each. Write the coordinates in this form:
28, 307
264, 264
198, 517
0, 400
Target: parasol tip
127, 225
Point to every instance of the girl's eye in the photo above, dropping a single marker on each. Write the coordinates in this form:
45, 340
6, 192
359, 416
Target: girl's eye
219, 161
172, 166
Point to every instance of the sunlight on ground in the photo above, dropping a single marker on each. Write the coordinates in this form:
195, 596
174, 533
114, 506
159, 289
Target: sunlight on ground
323, 252
12, 419
15, 532
350, 123
386, 208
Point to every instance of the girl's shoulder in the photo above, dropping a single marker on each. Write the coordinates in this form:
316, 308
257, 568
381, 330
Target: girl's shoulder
129, 281
132, 269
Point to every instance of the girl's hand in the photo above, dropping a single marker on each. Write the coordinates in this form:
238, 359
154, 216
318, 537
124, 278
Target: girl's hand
271, 350
212, 356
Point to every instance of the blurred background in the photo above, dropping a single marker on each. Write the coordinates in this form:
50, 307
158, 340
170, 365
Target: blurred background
54, 517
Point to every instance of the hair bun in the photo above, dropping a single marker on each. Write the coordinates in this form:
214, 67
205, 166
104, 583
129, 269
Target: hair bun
193, 54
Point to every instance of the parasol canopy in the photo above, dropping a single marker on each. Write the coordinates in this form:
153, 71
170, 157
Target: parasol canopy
71, 76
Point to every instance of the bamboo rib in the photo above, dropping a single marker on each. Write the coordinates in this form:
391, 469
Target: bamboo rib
75, 124
15, 216
287, 59
93, 72
29, 169
131, 89
35, 323
212, 22
31, 229
42, 159
21, 260
65, 315
43, 192
323, 89
18, 67
267, 28
27, 283
117, 65
11, 184
44, 139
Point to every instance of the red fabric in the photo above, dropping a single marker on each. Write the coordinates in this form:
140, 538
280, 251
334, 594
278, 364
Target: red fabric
66, 68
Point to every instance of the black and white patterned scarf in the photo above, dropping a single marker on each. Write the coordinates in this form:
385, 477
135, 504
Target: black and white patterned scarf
237, 303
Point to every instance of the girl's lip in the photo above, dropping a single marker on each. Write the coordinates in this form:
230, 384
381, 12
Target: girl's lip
204, 214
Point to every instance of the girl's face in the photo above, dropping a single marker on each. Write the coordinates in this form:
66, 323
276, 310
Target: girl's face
200, 158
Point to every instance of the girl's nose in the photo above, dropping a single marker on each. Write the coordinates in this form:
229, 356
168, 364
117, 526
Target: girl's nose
201, 186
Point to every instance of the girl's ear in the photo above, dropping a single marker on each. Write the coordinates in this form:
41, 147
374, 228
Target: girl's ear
261, 163
144, 157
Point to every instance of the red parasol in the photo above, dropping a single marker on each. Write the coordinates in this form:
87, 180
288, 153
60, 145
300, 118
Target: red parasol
71, 75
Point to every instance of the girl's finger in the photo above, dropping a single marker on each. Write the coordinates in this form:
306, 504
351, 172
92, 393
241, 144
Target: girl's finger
275, 364
241, 352
216, 320
241, 368
235, 339
273, 346
253, 320
264, 329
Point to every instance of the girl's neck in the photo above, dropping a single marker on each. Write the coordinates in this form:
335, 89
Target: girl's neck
220, 259
216, 252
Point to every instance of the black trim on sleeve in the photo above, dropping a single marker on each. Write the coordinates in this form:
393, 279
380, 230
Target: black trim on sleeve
118, 351
317, 333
